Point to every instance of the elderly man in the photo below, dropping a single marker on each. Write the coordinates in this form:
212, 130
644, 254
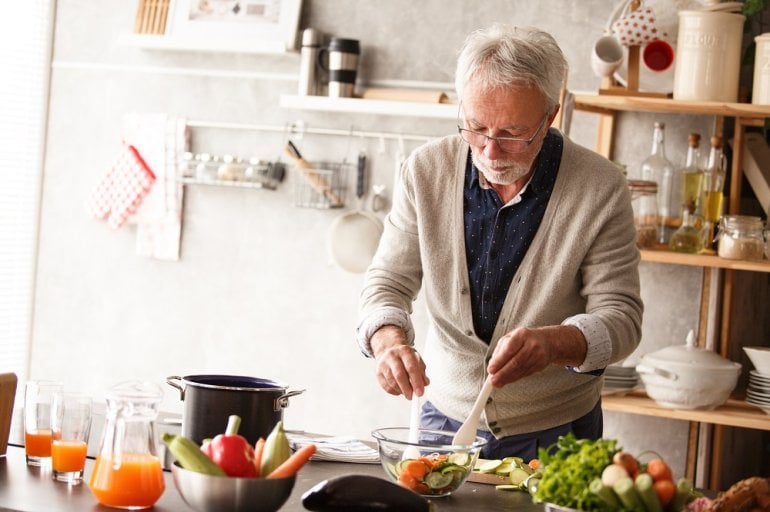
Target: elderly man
523, 243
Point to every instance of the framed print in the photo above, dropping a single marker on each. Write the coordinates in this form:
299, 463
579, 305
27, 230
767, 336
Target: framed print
236, 25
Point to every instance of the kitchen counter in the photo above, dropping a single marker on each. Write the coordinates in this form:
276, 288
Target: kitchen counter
28, 489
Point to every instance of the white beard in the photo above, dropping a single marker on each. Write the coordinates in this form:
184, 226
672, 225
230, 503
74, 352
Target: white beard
501, 172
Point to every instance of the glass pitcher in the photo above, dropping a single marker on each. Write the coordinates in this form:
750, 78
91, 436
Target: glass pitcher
127, 472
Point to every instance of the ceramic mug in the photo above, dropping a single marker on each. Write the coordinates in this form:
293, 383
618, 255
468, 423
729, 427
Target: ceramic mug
606, 56
658, 55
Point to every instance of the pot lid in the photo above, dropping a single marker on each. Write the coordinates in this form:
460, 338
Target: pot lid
690, 354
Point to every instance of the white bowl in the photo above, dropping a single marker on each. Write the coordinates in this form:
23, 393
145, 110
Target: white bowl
760, 358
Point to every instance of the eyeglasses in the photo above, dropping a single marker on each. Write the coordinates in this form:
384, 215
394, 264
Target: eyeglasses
507, 144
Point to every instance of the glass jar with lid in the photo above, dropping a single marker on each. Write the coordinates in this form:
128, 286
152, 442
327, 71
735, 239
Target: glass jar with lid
740, 237
644, 200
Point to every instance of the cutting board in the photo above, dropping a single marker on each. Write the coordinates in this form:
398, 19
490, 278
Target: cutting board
488, 478
7, 395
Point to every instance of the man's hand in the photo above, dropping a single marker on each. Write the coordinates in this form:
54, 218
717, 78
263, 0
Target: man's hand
400, 369
524, 351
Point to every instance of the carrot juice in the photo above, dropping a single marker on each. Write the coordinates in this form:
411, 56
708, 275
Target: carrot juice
136, 483
38, 443
68, 456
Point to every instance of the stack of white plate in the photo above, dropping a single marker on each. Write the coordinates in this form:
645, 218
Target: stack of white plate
758, 392
619, 380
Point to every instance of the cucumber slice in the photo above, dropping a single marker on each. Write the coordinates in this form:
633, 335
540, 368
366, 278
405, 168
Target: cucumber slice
518, 476
459, 458
449, 468
508, 487
504, 469
438, 480
488, 466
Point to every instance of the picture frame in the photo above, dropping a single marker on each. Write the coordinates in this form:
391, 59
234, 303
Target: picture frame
248, 26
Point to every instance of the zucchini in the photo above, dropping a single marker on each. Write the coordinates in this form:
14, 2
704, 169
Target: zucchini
190, 456
606, 494
363, 493
643, 485
626, 491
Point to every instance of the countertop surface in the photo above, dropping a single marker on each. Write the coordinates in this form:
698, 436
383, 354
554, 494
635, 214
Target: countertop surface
28, 489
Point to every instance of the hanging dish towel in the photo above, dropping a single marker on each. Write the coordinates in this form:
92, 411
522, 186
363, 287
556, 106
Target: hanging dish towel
121, 190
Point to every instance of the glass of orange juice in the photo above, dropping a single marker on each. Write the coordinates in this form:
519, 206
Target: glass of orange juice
37, 420
70, 428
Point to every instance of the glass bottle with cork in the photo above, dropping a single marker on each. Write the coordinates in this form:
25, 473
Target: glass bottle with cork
713, 185
657, 168
688, 238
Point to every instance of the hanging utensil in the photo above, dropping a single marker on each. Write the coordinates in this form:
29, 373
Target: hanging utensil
354, 236
466, 434
318, 182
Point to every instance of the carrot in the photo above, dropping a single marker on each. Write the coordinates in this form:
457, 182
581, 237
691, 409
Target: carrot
534, 464
629, 463
659, 470
259, 448
292, 465
418, 468
666, 490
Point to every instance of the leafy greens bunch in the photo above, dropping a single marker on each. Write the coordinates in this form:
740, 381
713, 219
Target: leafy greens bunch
569, 466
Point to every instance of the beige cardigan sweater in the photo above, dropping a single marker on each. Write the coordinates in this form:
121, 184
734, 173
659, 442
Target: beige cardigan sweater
583, 259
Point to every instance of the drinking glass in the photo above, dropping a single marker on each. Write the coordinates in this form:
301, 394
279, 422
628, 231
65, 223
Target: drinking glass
37, 420
70, 427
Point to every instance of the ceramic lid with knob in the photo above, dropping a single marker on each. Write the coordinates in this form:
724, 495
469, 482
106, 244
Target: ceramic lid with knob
690, 354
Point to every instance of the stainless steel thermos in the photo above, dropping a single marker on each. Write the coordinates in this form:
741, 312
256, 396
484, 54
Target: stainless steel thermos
309, 79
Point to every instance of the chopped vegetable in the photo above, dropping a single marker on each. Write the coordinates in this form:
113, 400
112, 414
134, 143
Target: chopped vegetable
665, 490
232, 452
436, 474
294, 463
568, 469
658, 469
259, 449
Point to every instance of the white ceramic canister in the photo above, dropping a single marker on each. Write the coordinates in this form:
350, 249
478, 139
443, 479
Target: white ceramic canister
760, 94
708, 56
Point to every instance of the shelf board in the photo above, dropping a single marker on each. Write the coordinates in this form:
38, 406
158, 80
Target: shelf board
610, 103
733, 413
702, 260
171, 43
362, 106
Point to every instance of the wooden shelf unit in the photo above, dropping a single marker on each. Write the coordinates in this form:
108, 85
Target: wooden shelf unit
735, 413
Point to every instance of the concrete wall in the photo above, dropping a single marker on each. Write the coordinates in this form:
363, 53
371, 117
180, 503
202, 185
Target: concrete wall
254, 292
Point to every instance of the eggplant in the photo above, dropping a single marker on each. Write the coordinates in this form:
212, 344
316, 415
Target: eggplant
363, 493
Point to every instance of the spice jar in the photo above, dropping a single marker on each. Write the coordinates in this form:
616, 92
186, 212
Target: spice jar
740, 237
644, 201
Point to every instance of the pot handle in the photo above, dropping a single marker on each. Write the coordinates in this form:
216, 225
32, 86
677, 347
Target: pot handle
641, 368
282, 401
170, 381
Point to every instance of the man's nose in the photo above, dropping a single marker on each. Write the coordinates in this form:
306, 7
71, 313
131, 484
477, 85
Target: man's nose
492, 149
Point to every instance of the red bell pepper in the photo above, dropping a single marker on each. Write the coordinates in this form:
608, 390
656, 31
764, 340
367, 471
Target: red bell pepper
232, 452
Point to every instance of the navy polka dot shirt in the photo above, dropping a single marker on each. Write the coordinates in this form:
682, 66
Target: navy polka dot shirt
497, 236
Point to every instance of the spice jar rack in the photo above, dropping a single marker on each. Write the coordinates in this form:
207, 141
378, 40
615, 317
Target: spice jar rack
228, 170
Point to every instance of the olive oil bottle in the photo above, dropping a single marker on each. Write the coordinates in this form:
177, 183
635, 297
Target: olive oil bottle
692, 176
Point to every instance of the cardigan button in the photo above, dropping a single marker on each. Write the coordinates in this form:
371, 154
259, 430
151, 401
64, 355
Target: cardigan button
492, 423
469, 333
496, 430
463, 291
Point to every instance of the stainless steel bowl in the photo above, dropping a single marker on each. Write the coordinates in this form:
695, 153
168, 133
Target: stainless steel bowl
207, 493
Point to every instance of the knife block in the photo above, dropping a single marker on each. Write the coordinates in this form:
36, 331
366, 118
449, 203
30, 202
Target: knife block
7, 395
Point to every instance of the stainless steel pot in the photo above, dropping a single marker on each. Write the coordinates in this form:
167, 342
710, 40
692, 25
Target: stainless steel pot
210, 399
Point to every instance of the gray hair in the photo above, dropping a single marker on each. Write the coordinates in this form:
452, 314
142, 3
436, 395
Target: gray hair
502, 55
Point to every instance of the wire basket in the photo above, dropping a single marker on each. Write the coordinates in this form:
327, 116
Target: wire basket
322, 186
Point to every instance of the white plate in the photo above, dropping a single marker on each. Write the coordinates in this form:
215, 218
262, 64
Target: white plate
759, 386
760, 397
762, 377
667, 22
621, 380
